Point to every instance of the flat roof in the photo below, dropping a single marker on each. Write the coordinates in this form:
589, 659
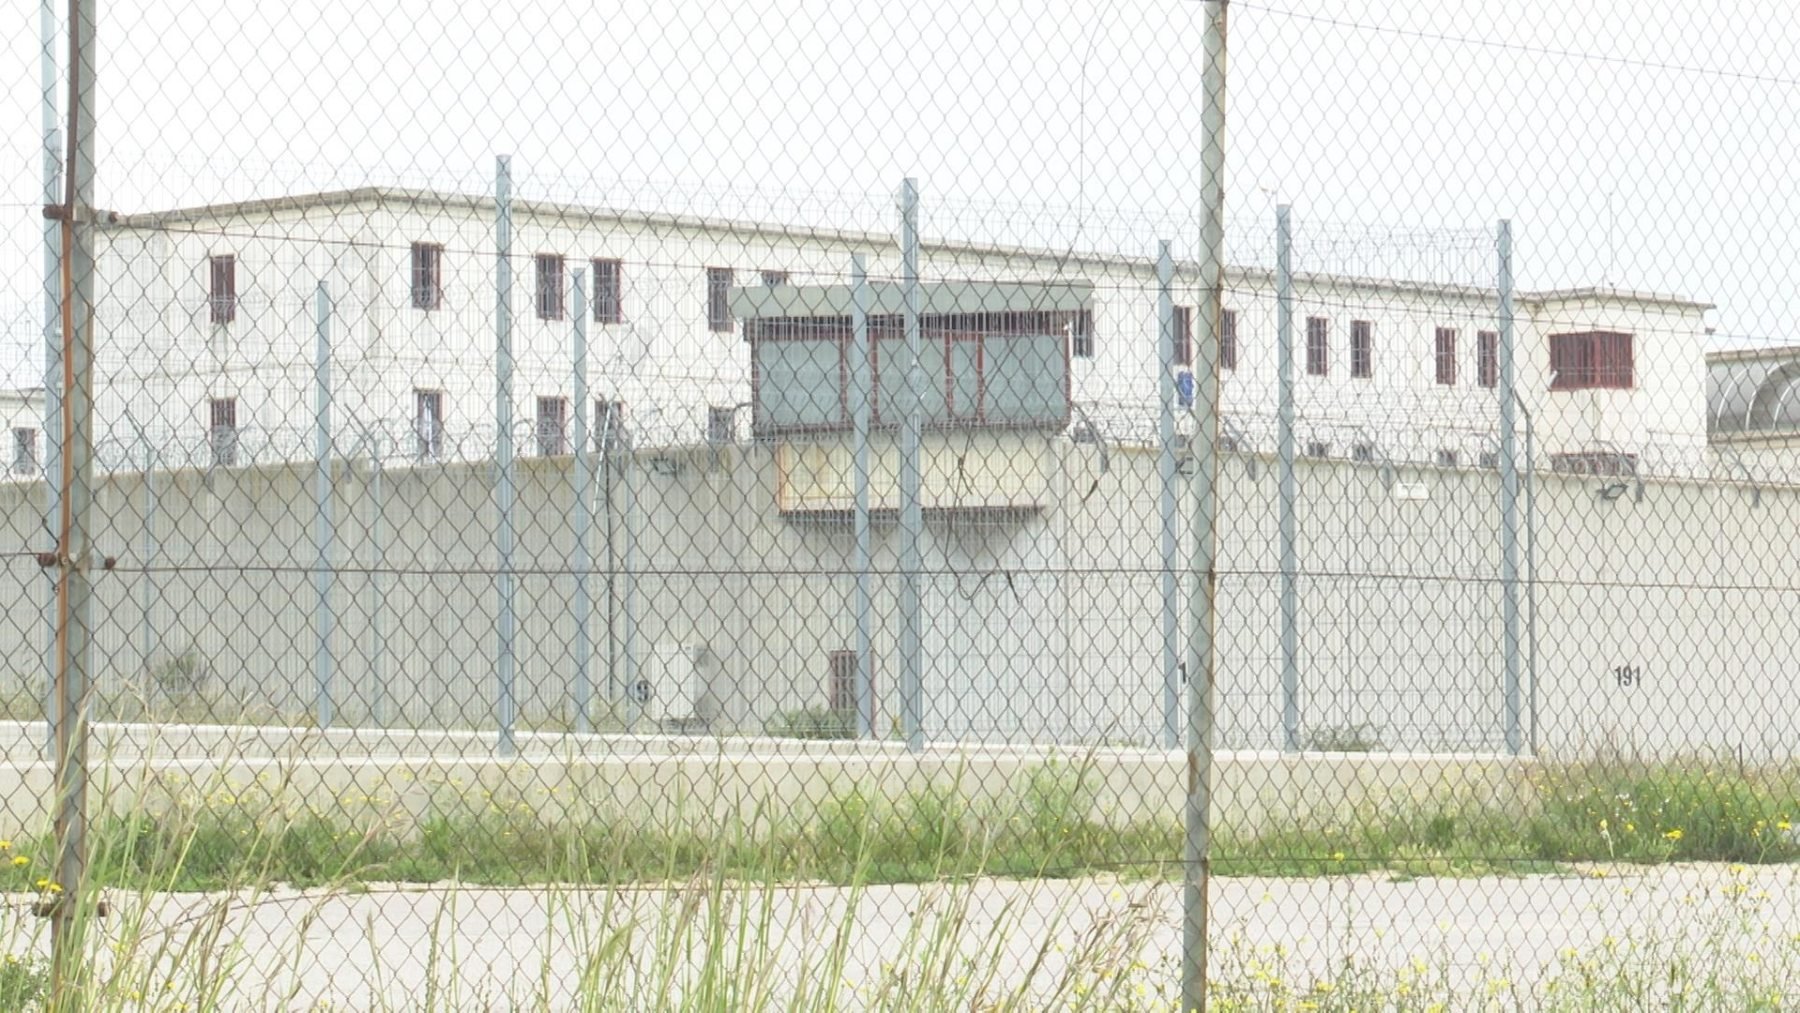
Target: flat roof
1754, 354
848, 237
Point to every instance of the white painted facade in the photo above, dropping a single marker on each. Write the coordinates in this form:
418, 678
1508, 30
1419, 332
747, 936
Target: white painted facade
162, 360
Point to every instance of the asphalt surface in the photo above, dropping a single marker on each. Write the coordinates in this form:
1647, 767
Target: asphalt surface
444, 947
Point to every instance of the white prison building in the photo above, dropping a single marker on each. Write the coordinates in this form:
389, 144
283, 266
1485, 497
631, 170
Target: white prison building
207, 336
726, 559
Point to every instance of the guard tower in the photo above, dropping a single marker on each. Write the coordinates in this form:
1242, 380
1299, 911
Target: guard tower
995, 363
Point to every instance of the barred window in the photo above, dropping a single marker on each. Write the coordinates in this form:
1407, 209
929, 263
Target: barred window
1362, 349
718, 298
1445, 355
222, 288
549, 286
609, 300
1593, 360
427, 276
1318, 348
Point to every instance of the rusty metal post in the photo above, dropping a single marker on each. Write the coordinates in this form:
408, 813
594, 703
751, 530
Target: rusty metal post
63, 899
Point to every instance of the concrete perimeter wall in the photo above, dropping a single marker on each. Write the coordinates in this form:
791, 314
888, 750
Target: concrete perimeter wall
1664, 620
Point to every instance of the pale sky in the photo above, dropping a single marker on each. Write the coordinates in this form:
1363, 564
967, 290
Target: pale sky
1648, 145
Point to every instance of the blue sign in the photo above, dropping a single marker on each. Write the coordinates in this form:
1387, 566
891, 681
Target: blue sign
1184, 389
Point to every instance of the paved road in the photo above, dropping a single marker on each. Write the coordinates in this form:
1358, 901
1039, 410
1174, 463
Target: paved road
478, 948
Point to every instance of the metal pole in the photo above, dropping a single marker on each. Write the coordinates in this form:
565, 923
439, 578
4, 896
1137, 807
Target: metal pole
503, 452
1165, 471
1202, 602
378, 578
323, 619
861, 402
1531, 576
1288, 494
583, 475
74, 629
628, 578
146, 641
53, 331
912, 514
1509, 502
614, 660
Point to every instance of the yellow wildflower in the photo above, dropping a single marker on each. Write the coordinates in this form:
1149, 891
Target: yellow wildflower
1672, 835
20, 861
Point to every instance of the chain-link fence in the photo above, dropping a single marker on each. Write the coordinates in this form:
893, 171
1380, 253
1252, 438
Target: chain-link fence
788, 506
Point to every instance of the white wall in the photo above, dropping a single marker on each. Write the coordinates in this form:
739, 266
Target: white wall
1041, 625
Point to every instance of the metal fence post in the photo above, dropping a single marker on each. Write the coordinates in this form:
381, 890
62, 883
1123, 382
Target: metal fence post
861, 405
912, 514
146, 631
1288, 494
609, 534
504, 495
1165, 473
323, 618
378, 674
53, 334
1202, 601
628, 580
1509, 500
583, 480
74, 629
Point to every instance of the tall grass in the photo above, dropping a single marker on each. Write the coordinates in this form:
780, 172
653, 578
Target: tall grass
1045, 827
686, 915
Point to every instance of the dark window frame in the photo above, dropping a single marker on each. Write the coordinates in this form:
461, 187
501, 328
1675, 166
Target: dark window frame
840, 685
1593, 360
718, 300
221, 288
1362, 350
550, 276
427, 276
1487, 359
552, 428
1318, 346
1184, 335
1228, 339
609, 290
1444, 356
887, 337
